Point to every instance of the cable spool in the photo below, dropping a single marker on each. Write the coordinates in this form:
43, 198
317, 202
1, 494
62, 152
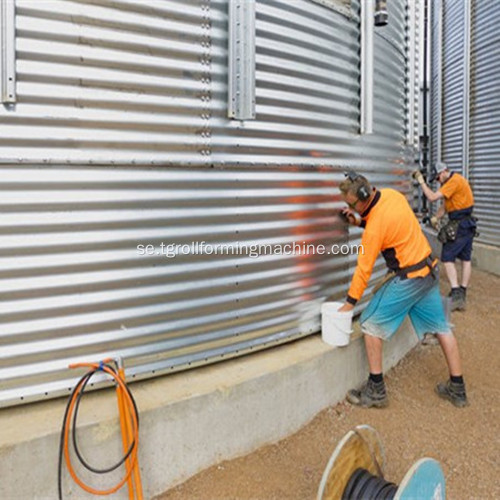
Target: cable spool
362, 484
355, 472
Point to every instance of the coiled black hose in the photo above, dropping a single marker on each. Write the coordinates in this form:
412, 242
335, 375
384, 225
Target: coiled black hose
363, 485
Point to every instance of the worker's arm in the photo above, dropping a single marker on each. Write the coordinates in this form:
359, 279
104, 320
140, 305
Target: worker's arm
435, 218
440, 212
429, 193
371, 244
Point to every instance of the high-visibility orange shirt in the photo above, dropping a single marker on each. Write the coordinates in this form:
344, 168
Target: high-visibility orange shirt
457, 193
391, 228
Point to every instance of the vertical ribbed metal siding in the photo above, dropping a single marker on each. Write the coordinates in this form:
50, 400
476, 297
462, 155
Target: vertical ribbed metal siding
104, 81
453, 84
435, 94
74, 286
484, 121
447, 53
484, 169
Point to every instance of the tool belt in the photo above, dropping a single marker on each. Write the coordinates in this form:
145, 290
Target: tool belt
427, 262
449, 231
403, 272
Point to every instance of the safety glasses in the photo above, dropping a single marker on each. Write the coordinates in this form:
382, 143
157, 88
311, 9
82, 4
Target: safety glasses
353, 205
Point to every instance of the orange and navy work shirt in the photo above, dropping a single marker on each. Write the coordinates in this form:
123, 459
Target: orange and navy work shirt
457, 193
391, 228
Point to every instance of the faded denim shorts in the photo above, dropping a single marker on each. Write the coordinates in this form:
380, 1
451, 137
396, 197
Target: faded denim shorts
419, 298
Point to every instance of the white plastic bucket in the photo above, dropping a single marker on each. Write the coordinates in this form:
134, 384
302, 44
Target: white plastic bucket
336, 327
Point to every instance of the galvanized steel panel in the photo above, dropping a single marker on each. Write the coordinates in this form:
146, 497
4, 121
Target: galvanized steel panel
75, 287
366, 65
308, 92
119, 82
241, 60
108, 82
484, 165
453, 51
436, 80
341, 6
413, 67
7, 52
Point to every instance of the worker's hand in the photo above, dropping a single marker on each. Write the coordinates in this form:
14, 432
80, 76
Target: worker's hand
434, 222
350, 216
346, 307
417, 175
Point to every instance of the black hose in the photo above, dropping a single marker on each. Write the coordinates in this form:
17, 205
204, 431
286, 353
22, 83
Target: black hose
82, 383
363, 485
73, 433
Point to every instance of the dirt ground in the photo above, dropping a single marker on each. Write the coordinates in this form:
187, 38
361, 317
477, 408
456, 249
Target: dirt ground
416, 424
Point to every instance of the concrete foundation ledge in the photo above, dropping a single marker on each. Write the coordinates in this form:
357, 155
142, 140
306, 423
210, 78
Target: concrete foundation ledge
190, 420
486, 258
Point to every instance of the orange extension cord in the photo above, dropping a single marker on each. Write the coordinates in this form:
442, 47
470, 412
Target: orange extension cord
129, 425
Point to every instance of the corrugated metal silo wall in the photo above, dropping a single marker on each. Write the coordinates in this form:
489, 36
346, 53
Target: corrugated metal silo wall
447, 82
484, 106
122, 82
435, 89
123, 85
484, 169
453, 84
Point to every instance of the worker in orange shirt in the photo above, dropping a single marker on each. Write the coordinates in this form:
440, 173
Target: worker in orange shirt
457, 235
412, 288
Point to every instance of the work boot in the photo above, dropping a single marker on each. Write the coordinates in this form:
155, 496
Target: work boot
457, 299
370, 394
453, 392
463, 291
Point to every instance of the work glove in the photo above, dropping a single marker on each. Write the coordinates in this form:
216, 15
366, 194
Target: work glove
350, 216
417, 175
435, 222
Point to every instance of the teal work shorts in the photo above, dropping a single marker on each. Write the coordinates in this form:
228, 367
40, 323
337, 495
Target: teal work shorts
419, 298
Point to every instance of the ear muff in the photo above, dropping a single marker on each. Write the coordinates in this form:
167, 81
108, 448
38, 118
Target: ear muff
363, 193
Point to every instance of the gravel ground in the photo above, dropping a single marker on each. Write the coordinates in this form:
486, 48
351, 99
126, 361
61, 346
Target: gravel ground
416, 424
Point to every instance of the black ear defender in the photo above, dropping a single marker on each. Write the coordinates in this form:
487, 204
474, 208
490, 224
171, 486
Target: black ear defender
363, 193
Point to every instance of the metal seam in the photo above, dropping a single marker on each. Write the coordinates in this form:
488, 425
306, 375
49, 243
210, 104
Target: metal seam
206, 79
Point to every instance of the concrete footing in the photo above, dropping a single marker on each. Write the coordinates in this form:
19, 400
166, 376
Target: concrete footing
486, 258
191, 420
